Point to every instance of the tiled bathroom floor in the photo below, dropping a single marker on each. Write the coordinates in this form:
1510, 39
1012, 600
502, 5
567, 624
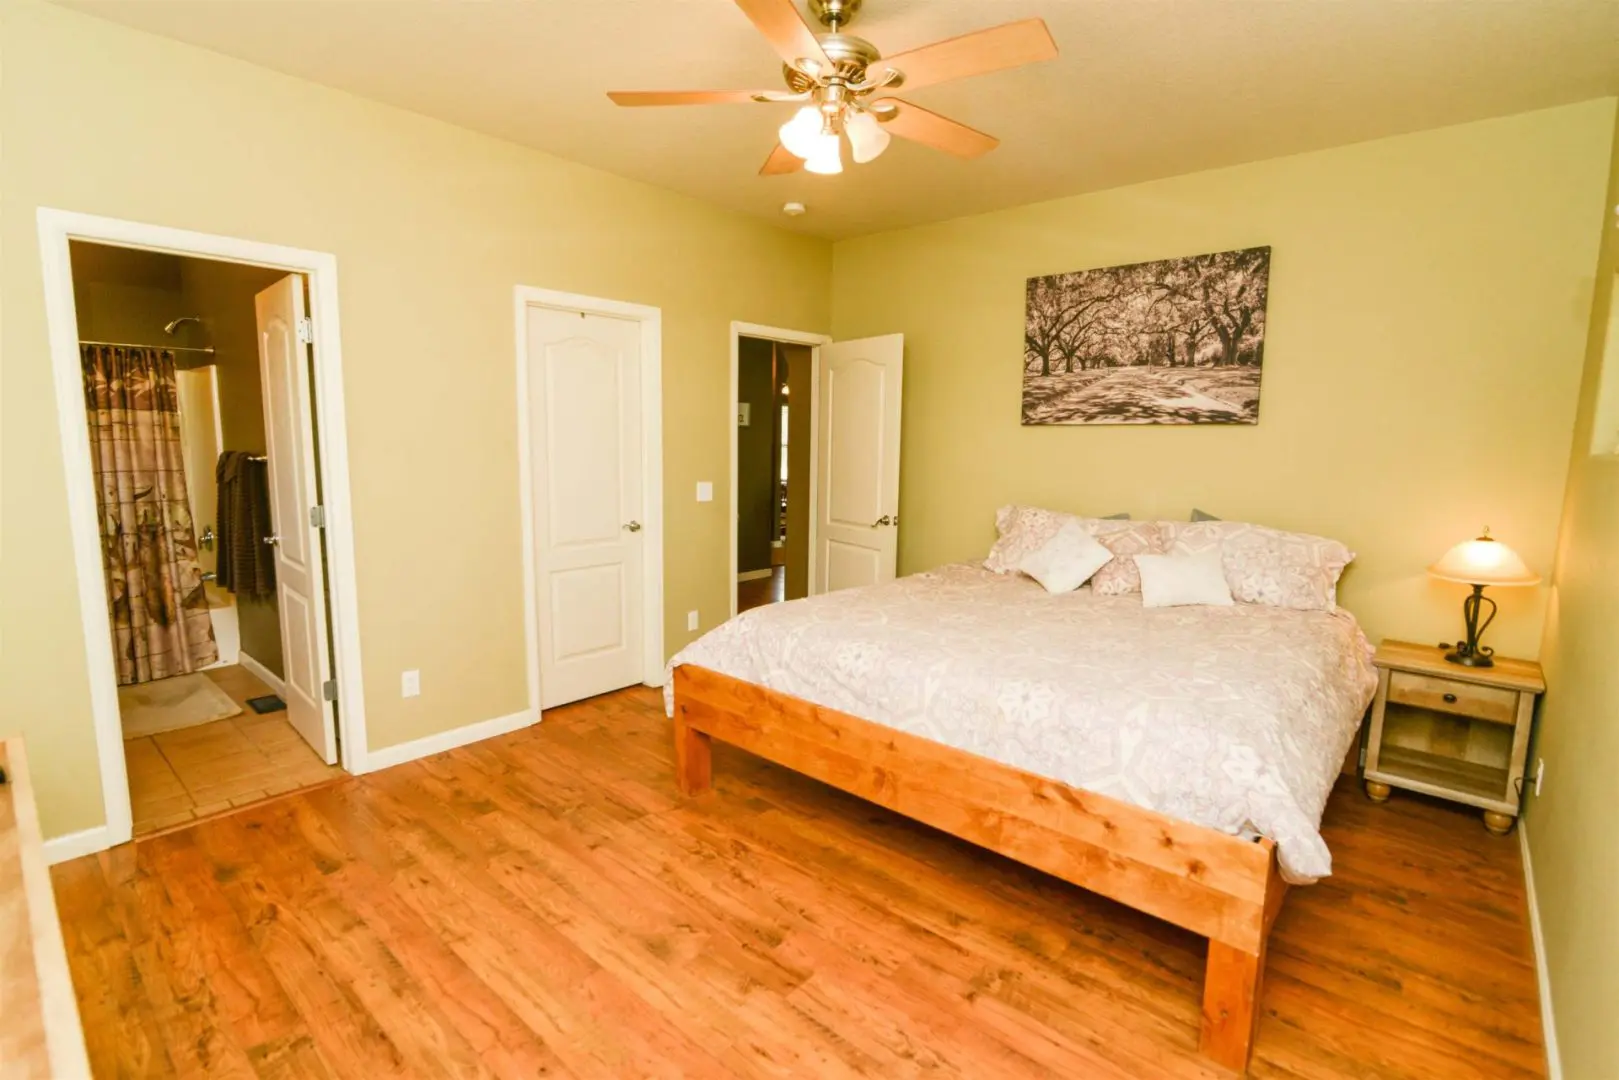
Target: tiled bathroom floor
196, 772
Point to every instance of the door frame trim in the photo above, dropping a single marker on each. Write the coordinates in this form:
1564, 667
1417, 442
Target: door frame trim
56, 229
651, 323
740, 330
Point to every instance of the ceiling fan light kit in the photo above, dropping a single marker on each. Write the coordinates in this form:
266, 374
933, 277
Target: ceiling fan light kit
835, 76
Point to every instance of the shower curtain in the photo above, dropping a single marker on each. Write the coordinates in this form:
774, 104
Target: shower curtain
160, 621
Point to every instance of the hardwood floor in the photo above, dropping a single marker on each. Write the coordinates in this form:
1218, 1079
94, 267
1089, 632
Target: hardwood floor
197, 772
761, 591
544, 904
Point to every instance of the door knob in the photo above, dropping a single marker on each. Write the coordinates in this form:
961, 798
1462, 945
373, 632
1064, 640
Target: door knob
884, 520
272, 540
634, 526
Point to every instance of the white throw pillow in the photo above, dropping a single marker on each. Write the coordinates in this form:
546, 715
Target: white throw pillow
1066, 561
1176, 580
1267, 566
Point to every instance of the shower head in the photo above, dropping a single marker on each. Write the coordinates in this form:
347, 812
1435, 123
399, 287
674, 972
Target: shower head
175, 325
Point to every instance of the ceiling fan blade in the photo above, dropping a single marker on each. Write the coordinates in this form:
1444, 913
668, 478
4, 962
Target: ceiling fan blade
930, 129
780, 162
978, 53
786, 30
684, 97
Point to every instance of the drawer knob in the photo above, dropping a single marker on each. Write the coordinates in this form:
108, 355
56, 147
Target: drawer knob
1450, 699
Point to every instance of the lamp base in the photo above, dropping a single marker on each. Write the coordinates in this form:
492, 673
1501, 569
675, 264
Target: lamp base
1470, 660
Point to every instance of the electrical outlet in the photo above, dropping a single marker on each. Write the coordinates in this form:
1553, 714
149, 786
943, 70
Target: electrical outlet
1540, 774
410, 683
691, 620
705, 491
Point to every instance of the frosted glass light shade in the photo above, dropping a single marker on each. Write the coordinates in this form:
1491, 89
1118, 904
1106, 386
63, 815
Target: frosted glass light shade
826, 157
802, 133
1484, 561
867, 138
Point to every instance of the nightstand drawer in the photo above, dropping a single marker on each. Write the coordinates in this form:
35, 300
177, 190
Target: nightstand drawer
1447, 695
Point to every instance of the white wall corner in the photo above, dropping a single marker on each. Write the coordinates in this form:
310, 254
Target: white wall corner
1548, 1025
74, 844
400, 753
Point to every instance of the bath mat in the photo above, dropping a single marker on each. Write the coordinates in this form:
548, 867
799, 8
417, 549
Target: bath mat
170, 704
267, 703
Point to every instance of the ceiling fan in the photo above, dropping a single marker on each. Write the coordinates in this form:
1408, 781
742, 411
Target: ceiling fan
838, 76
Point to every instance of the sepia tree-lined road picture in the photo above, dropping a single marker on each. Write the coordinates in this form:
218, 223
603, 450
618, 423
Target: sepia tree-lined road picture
1178, 341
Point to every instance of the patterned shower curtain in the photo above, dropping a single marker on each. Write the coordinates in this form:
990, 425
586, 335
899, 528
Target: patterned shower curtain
160, 621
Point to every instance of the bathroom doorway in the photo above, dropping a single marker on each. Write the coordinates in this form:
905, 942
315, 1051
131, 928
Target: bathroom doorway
198, 385
772, 463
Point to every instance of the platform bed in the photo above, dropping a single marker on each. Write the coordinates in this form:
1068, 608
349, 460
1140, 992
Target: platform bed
1214, 884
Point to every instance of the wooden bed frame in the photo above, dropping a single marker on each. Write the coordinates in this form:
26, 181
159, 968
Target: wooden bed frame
1209, 882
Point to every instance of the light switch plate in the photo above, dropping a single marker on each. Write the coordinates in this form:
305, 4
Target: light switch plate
744, 414
691, 620
410, 683
705, 491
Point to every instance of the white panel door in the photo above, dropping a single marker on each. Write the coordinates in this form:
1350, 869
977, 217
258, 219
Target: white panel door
300, 573
584, 387
857, 463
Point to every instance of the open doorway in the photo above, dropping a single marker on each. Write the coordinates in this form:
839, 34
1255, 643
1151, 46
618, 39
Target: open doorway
815, 444
198, 409
773, 461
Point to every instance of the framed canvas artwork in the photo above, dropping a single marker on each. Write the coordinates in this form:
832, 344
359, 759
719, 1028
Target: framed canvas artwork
1177, 341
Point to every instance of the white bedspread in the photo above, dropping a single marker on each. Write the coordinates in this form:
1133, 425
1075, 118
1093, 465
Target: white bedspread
1237, 718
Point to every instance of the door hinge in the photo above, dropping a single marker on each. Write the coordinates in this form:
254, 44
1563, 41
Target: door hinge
328, 690
306, 330
317, 517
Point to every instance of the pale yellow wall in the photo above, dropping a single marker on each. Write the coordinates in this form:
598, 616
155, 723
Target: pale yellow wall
1570, 826
432, 227
1427, 317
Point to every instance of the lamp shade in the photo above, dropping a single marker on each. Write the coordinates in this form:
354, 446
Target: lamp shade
1484, 561
867, 138
801, 135
826, 156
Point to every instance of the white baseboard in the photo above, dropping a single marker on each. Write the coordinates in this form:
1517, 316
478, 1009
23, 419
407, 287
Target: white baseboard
263, 674
74, 844
1548, 1026
755, 575
400, 753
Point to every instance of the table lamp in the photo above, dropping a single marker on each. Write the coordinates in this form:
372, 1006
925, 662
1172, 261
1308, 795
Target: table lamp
1481, 562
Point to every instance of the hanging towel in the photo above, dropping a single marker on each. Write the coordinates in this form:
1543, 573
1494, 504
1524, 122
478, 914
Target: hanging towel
246, 562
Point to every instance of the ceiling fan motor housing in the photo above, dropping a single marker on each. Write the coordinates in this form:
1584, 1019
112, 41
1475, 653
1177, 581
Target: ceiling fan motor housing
833, 13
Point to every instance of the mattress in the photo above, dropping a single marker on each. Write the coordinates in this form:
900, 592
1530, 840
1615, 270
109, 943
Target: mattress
1237, 718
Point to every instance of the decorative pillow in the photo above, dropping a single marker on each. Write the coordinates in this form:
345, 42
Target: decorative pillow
1202, 515
1268, 566
1024, 529
1177, 580
1020, 531
1066, 561
1125, 539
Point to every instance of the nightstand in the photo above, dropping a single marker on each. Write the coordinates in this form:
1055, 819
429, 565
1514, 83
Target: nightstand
1461, 733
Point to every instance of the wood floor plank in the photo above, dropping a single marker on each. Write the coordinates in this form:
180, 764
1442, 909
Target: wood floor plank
546, 905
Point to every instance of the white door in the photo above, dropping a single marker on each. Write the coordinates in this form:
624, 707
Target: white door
584, 391
857, 463
300, 575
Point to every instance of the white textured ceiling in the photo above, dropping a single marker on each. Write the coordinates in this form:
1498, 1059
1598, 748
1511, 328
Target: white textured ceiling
1142, 89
